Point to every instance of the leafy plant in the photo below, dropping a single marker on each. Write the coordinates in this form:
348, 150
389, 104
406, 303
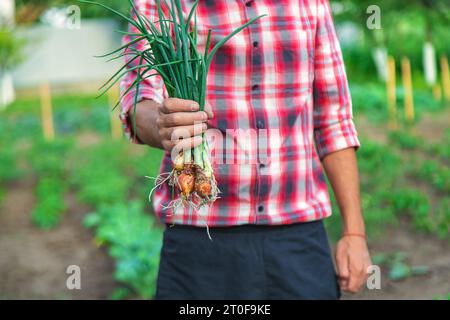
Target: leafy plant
415, 204
48, 157
11, 49
133, 240
404, 140
49, 163
442, 297
8, 164
443, 218
50, 203
398, 268
435, 174
99, 175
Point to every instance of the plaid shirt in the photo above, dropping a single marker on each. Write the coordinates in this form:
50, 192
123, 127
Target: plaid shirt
278, 87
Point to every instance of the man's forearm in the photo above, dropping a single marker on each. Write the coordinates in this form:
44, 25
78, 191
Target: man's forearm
342, 171
146, 128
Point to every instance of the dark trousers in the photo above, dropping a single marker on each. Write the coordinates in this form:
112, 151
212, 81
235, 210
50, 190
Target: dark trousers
247, 262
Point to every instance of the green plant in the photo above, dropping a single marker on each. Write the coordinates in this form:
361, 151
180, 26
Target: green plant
99, 175
442, 297
143, 166
415, 204
435, 174
11, 49
443, 217
398, 268
2, 194
48, 157
48, 161
134, 242
405, 140
50, 203
369, 99
9, 170
440, 150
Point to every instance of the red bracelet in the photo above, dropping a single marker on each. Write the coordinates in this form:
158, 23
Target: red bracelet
349, 234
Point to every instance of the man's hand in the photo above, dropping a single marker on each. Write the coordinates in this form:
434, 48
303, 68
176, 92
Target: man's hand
179, 118
352, 261
161, 125
352, 256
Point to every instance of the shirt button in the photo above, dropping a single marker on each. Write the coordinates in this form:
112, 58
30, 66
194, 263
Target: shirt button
255, 44
260, 124
262, 166
260, 208
255, 87
249, 3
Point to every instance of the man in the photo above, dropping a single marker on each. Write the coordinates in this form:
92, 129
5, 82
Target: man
283, 76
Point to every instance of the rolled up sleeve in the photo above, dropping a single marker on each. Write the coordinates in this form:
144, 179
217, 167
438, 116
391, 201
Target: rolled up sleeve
152, 86
334, 128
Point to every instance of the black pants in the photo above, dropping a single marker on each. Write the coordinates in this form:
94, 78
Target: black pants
247, 262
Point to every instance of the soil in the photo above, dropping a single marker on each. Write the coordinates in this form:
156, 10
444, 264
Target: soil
33, 262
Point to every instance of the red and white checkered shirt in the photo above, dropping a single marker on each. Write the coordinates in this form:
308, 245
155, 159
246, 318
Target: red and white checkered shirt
281, 101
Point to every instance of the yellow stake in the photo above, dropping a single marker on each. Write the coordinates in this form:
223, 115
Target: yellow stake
437, 92
46, 111
391, 96
445, 77
407, 85
116, 126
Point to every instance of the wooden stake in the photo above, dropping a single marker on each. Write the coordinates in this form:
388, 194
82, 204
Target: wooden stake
437, 92
407, 85
391, 96
116, 126
46, 112
445, 77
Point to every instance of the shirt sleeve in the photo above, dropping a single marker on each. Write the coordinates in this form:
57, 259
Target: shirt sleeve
333, 120
152, 87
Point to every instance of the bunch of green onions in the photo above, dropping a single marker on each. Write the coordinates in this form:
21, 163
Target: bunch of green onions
172, 52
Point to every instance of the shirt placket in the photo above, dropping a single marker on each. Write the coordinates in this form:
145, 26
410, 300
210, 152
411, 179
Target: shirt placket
258, 120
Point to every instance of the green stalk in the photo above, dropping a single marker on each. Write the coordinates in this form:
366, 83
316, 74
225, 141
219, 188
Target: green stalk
207, 162
187, 156
198, 158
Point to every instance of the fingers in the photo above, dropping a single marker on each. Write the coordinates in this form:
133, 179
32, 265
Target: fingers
182, 132
182, 137
351, 276
184, 144
358, 276
181, 119
171, 105
342, 270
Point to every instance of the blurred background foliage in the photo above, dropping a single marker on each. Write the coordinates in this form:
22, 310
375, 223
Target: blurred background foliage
29, 11
404, 172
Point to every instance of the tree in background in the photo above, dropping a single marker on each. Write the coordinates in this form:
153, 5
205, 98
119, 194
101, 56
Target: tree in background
29, 11
406, 26
11, 52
